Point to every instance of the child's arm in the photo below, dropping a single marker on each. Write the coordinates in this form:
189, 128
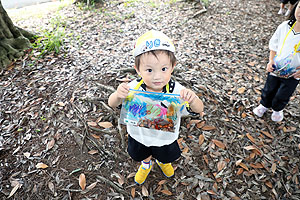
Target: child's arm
195, 103
271, 61
117, 97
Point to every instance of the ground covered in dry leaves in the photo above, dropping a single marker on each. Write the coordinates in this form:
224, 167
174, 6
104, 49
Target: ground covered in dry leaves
58, 136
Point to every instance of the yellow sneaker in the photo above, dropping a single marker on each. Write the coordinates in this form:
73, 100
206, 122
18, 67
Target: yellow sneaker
142, 174
167, 168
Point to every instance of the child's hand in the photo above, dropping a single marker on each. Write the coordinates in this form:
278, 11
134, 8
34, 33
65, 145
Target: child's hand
122, 90
187, 95
270, 67
297, 73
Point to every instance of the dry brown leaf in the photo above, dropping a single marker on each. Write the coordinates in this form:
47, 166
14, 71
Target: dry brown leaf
205, 159
82, 181
26, 154
244, 166
41, 166
201, 139
241, 90
166, 192
195, 121
257, 165
269, 184
244, 115
92, 152
201, 124
95, 136
256, 78
50, 144
121, 180
215, 186
131, 175
221, 164
105, 124
299, 146
252, 64
211, 192
62, 104
91, 186
289, 129
250, 147
257, 152
51, 186
267, 134
94, 124
145, 191
13, 191
273, 168
249, 136
161, 182
208, 128
219, 144
185, 150
237, 163
240, 170
132, 192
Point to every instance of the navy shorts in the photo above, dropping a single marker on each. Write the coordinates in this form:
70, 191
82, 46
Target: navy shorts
287, 1
164, 154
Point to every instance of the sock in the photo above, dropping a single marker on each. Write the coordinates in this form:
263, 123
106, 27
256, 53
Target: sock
146, 165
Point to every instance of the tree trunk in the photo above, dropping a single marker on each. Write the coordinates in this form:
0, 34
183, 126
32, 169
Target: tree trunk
12, 41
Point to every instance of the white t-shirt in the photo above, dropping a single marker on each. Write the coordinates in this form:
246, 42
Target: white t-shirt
153, 137
289, 46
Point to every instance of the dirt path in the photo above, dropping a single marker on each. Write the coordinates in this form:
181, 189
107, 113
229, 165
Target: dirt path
47, 110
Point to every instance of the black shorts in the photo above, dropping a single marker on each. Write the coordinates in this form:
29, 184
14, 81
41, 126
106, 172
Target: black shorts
287, 1
164, 154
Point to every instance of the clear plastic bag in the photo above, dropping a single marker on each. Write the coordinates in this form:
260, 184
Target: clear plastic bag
283, 67
160, 111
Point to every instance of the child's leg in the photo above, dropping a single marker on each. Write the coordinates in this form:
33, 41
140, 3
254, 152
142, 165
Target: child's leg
165, 155
285, 91
140, 153
269, 91
282, 4
143, 171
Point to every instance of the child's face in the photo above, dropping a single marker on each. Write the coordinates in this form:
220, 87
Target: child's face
297, 13
155, 71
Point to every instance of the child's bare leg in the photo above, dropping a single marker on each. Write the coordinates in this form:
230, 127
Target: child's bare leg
281, 10
147, 159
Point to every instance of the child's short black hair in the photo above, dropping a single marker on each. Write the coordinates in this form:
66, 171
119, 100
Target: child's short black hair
170, 54
291, 17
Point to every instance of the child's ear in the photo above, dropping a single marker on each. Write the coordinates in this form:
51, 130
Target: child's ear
174, 67
137, 71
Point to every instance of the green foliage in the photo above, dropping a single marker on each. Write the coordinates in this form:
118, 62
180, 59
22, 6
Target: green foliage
129, 3
205, 3
52, 40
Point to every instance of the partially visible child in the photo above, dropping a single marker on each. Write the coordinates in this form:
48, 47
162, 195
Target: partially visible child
284, 51
154, 63
282, 7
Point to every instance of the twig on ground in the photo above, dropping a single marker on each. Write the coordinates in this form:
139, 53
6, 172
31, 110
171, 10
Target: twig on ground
113, 185
199, 12
121, 134
105, 87
85, 131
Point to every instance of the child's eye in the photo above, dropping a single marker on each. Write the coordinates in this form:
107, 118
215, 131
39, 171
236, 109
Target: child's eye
164, 69
149, 70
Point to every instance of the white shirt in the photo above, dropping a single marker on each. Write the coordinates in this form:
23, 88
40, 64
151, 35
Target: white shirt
289, 46
153, 137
